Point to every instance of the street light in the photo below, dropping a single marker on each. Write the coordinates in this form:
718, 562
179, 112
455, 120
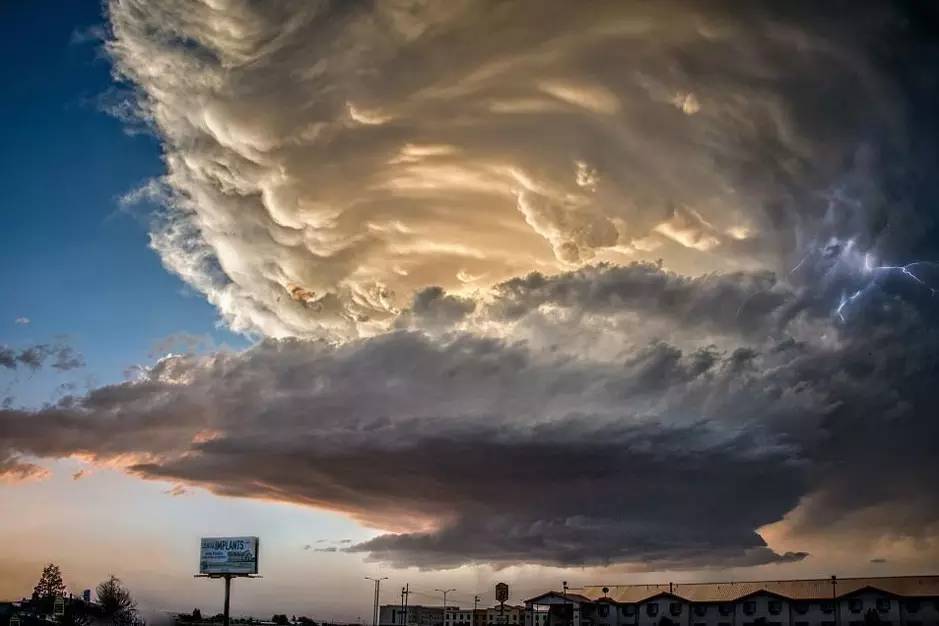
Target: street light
375, 608
444, 592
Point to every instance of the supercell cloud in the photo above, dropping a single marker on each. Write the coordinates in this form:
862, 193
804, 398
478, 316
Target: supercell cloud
328, 160
539, 282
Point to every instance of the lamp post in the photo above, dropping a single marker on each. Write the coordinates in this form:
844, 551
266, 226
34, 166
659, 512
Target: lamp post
444, 592
375, 607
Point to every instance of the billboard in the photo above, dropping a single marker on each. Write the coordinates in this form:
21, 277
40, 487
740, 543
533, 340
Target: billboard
228, 555
502, 592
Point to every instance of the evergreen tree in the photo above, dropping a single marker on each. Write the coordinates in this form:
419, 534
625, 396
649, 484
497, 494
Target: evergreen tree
117, 605
50, 583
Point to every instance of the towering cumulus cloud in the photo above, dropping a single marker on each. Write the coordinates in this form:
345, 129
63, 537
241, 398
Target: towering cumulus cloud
541, 282
328, 160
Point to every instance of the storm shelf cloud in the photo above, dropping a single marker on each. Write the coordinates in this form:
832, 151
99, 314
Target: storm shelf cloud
626, 284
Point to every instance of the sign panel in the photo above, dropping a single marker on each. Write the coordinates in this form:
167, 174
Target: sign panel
502, 592
58, 607
229, 555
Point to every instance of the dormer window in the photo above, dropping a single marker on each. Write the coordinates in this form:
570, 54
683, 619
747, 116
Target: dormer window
725, 609
674, 608
700, 610
652, 609
801, 607
603, 610
883, 605
912, 606
775, 607
749, 607
855, 605
628, 609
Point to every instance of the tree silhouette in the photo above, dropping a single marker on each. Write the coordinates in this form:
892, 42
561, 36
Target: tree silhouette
117, 605
50, 583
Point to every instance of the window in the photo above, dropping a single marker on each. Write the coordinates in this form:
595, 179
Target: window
827, 607
628, 610
827, 623
801, 624
914, 623
775, 607
674, 608
749, 607
700, 610
855, 605
603, 610
801, 607
883, 604
856, 623
912, 606
725, 609
652, 609
723, 624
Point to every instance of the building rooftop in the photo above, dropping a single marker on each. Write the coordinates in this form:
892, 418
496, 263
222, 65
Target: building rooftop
806, 589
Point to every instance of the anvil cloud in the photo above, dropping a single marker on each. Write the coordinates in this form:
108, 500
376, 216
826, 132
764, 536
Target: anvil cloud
538, 282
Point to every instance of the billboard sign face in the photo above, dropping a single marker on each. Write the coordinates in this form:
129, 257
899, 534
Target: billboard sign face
502, 592
229, 555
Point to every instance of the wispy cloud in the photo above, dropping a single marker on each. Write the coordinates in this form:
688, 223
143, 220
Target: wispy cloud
58, 355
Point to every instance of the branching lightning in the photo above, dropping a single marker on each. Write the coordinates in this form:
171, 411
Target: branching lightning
870, 268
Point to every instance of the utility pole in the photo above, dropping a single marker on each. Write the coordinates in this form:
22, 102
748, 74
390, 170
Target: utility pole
377, 587
475, 609
444, 592
566, 603
405, 592
834, 598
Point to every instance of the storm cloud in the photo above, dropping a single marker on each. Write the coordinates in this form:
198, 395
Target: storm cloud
627, 283
328, 161
477, 449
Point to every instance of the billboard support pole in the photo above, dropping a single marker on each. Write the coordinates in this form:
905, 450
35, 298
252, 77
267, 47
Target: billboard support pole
227, 596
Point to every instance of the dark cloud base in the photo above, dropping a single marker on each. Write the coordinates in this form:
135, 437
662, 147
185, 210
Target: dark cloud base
480, 450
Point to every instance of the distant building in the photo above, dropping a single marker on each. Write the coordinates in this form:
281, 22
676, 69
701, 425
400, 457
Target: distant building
887, 601
510, 615
414, 615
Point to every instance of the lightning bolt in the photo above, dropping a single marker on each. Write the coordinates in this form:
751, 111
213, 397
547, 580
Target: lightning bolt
870, 268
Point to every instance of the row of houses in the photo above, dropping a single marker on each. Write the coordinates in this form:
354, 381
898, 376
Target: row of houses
886, 601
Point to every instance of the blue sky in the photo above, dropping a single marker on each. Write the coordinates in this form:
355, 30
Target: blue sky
70, 261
